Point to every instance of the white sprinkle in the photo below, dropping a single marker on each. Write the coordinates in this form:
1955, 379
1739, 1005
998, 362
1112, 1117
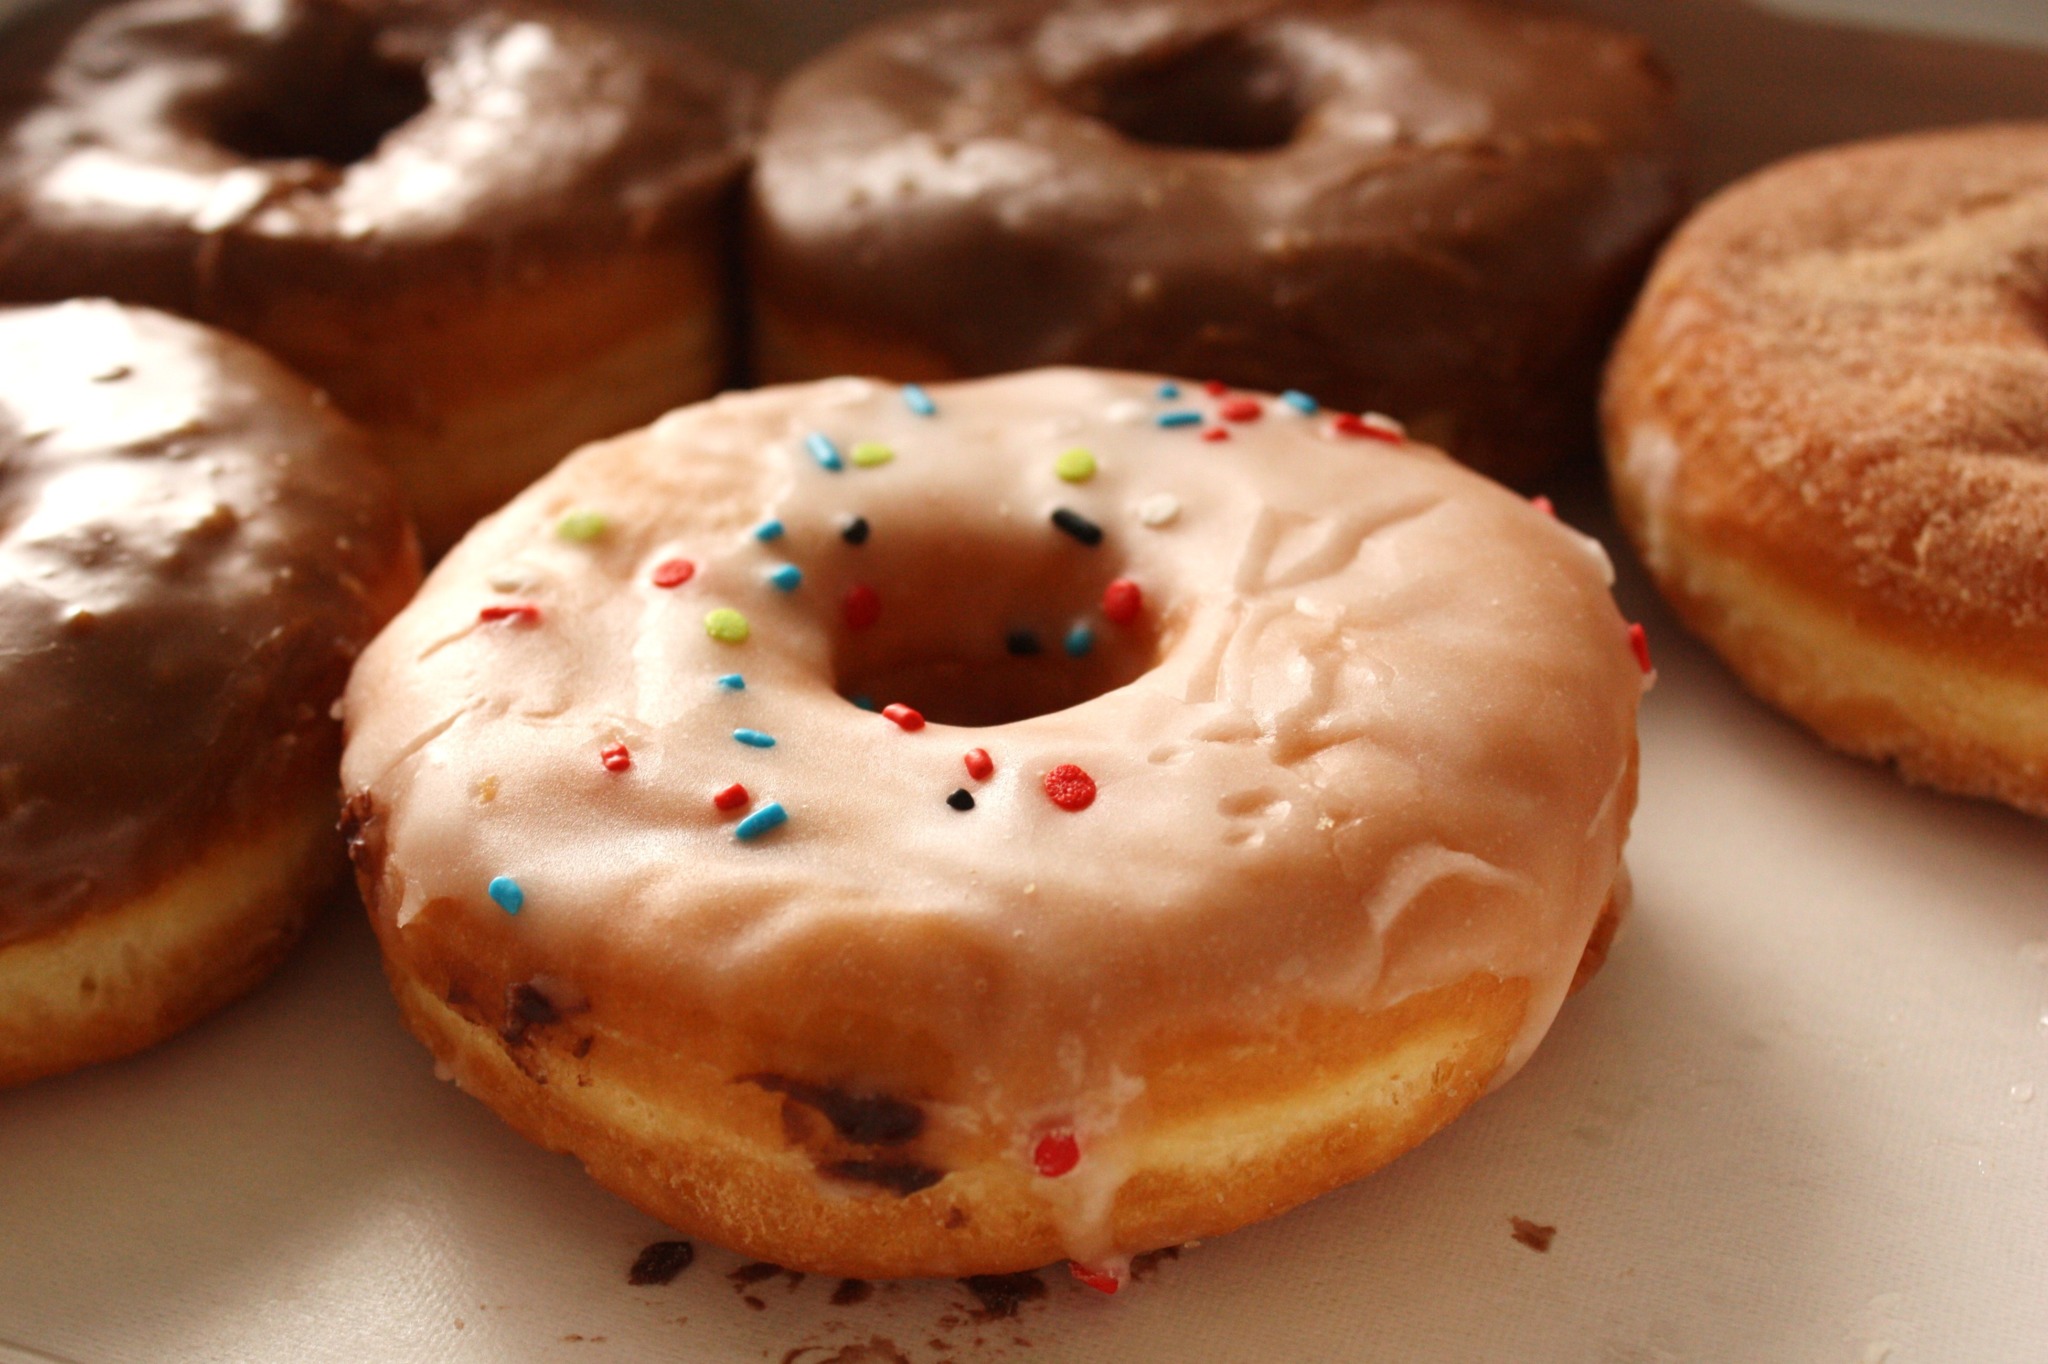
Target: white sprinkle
1160, 509
2022, 1093
846, 392
1126, 412
514, 578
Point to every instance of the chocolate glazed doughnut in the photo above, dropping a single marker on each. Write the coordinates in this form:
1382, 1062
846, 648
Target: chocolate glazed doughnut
492, 231
193, 547
1437, 210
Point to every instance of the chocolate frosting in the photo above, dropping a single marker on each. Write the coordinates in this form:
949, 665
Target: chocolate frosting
193, 548
1433, 209
298, 171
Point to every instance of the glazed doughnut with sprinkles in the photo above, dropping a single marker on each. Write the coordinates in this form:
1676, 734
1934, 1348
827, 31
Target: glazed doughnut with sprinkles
896, 831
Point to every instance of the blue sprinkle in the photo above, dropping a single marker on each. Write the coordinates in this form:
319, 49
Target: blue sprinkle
507, 893
733, 682
754, 738
768, 530
919, 401
1079, 641
787, 577
824, 451
769, 816
1180, 418
1300, 402
864, 701
1169, 391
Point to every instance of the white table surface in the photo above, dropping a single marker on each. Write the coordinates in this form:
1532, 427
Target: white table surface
1801, 1116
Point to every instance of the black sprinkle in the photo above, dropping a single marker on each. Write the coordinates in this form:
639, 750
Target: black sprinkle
1078, 526
961, 800
865, 1119
855, 531
1022, 643
660, 1263
902, 1179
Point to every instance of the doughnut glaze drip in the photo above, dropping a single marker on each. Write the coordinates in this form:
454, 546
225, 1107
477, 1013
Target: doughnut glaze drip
188, 544
1369, 731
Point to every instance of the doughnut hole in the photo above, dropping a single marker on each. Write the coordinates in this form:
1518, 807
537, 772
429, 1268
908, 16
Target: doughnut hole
955, 613
1226, 94
326, 95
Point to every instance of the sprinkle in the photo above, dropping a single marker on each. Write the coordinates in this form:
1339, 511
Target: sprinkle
903, 717
863, 701
727, 626
1160, 509
617, 758
1169, 391
870, 454
1241, 410
1125, 412
979, 765
674, 572
1022, 643
1543, 504
919, 401
1075, 466
1371, 426
1079, 641
731, 798
754, 738
519, 613
1639, 644
1216, 433
1069, 787
507, 893
1300, 402
861, 606
768, 530
769, 816
1056, 1153
581, 527
854, 530
785, 577
733, 682
1078, 526
1215, 388
1179, 417
1101, 1280
1122, 600
824, 451
961, 800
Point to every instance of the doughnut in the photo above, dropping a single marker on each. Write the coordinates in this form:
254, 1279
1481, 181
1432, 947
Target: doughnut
492, 231
1827, 430
944, 830
1433, 208
193, 549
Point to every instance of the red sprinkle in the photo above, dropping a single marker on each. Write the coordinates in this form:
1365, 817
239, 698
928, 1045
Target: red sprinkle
1056, 1153
1350, 424
862, 606
731, 798
674, 572
1241, 410
1543, 504
1215, 388
1101, 1280
1215, 433
1122, 601
617, 758
980, 765
903, 717
1069, 787
520, 614
1639, 643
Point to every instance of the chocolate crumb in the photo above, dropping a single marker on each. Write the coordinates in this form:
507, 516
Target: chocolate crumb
851, 1292
526, 1007
660, 1262
956, 1218
582, 1048
1142, 1266
1002, 1294
864, 1119
1534, 1235
902, 1179
750, 1300
753, 1273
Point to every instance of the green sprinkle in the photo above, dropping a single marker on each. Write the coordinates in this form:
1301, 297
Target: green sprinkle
869, 453
1075, 466
727, 626
581, 526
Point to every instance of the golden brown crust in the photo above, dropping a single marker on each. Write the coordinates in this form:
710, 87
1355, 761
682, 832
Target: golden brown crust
1830, 416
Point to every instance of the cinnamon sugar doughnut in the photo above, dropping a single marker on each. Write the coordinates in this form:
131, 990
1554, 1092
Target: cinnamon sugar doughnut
192, 549
1235, 813
1827, 427
492, 231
